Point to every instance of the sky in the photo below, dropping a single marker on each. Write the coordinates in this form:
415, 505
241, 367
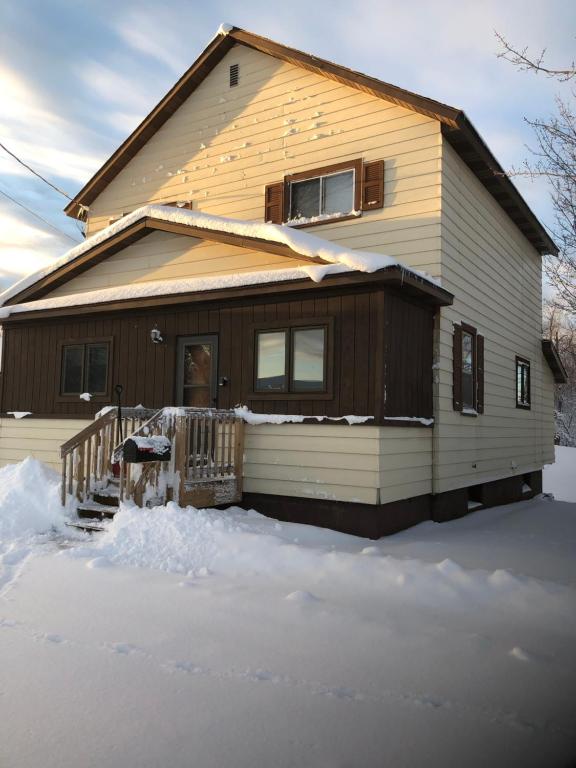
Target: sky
77, 77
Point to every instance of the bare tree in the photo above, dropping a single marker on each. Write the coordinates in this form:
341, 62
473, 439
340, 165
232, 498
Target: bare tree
561, 328
521, 59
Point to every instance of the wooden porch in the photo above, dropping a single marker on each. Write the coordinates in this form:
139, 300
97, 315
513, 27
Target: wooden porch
203, 465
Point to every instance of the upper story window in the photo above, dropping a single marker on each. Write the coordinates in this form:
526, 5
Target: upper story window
293, 359
85, 368
522, 383
326, 196
333, 192
468, 370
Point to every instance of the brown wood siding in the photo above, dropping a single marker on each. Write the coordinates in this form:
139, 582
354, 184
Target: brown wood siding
380, 342
408, 358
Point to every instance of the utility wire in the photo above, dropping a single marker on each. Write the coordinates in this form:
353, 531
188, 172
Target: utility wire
60, 191
37, 216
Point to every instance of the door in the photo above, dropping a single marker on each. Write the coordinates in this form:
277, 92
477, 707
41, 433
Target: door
197, 371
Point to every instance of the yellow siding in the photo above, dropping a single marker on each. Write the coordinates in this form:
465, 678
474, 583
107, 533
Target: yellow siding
365, 464
318, 461
162, 256
40, 438
495, 275
223, 146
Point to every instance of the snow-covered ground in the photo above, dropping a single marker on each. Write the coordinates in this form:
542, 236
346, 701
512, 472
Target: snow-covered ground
215, 639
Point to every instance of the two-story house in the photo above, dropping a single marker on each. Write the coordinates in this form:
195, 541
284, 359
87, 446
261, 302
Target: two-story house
289, 235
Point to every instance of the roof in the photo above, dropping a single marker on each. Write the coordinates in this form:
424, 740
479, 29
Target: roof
554, 361
456, 127
322, 258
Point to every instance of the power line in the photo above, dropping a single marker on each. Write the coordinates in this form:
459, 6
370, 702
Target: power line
60, 191
37, 216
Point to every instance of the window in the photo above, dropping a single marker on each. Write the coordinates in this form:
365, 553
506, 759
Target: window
468, 370
342, 190
291, 360
85, 368
331, 195
522, 383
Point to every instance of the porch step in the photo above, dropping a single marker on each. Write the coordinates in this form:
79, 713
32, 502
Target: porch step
92, 509
108, 497
91, 526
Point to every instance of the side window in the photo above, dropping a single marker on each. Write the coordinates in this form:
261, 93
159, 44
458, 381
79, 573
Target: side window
468, 370
522, 383
85, 368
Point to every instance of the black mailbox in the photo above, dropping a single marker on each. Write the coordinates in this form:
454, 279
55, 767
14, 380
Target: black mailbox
137, 450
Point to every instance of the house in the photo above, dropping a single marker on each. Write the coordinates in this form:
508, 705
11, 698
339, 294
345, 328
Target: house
291, 236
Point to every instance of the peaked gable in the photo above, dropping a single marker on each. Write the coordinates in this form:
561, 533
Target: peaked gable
456, 127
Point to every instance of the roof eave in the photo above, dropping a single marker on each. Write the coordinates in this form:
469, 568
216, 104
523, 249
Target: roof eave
395, 277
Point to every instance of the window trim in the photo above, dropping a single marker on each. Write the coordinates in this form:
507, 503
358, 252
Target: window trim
523, 361
289, 326
84, 342
316, 173
478, 368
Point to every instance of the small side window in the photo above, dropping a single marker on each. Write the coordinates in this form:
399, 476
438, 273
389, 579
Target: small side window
468, 370
522, 383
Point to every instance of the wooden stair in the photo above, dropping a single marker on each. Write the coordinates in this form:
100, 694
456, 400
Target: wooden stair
101, 504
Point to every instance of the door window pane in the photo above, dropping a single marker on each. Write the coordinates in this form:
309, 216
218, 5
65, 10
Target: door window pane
271, 361
308, 360
468, 400
197, 364
96, 368
305, 199
338, 193
72, 370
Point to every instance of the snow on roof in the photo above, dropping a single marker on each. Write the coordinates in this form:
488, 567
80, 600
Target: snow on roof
300, 242
172, 287
224, 28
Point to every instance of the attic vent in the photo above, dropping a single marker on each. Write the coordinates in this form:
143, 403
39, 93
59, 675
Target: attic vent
234, 74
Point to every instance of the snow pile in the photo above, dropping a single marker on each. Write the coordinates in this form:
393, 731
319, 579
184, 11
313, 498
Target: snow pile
243, 412
560, 478
234, 542
29, 500
336, 257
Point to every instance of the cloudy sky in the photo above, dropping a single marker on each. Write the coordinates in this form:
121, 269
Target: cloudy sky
77, 76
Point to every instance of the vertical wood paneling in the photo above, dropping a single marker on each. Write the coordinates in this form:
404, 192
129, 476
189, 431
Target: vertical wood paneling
147, 370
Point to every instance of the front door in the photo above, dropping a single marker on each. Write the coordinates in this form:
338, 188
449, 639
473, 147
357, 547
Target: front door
197, 371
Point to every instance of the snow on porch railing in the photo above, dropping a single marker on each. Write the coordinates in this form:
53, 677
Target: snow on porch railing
87, 457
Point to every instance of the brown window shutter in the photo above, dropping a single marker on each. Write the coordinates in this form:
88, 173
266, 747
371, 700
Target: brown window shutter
274, 203
457, 369
372, 185
480, 373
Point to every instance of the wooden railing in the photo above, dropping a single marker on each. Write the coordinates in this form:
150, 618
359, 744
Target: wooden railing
87, 457
204, 469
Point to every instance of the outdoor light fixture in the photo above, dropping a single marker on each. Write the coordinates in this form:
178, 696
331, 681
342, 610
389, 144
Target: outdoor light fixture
156, 336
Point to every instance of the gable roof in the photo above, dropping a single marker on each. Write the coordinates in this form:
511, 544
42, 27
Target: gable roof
324, 257
456, 127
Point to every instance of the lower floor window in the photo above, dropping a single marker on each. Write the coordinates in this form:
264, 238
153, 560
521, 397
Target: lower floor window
522, 383
291, 360
85, 368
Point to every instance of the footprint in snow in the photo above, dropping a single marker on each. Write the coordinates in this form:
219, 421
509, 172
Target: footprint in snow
302, 597
520, 654
123, 649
